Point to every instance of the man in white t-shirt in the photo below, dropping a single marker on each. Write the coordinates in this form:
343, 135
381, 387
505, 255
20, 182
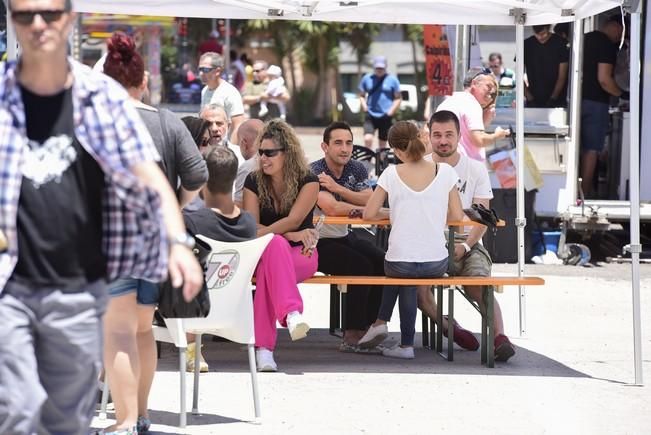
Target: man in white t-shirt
219, 91
470, 256
475, 109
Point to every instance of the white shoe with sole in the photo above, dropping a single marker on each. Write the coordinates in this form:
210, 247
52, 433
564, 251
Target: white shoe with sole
297, 326
399, 352
374, 336
264, 359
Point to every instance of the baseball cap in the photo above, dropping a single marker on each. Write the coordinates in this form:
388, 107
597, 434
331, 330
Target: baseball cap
379, 62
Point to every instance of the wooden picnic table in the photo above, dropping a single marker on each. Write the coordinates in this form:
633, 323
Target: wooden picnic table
345, 220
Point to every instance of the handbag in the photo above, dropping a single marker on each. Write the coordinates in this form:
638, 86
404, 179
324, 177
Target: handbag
482, 215
172, 305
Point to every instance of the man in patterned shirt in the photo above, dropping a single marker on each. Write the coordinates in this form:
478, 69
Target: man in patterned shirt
82, 202
345, 187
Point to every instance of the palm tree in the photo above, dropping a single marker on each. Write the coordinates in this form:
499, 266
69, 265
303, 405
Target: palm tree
360, 36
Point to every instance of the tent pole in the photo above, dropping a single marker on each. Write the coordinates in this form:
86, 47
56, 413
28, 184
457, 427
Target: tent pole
519, 137
635, 248
572, 165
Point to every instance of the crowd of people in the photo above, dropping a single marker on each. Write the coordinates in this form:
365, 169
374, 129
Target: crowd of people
102, 195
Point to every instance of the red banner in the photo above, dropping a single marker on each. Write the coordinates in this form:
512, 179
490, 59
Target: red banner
438, 64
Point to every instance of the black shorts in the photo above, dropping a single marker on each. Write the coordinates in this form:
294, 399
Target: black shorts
382, 125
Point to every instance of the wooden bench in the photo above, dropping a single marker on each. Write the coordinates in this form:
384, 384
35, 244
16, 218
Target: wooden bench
488, 285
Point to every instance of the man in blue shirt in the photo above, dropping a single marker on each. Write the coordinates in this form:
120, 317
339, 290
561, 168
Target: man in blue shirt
380, 98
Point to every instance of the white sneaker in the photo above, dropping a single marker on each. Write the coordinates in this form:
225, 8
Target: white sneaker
263, 110
374, 336
265, 360
297, 326
399, 352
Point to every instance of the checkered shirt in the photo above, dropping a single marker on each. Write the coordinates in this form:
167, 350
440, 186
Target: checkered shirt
111, 131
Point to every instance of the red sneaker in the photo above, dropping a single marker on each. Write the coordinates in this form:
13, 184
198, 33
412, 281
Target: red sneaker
463, 337
504, 349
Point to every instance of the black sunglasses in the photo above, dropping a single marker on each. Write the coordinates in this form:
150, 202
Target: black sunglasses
270, 152
206, 69
26, 18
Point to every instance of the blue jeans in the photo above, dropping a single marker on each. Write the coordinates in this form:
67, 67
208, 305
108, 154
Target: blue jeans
408, 296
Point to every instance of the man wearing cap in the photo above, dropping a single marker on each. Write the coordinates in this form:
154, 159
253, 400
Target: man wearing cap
475, 108
219, 91
380, 98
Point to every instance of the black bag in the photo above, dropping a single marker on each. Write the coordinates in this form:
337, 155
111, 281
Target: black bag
172, 305
481, 214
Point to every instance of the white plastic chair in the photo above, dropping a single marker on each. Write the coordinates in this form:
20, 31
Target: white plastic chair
230, 267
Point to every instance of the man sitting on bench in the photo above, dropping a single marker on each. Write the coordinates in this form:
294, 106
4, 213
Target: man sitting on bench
344, 187
470, 256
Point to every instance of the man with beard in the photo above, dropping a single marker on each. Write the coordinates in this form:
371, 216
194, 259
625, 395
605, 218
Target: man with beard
470, 256
344, 187
255, 92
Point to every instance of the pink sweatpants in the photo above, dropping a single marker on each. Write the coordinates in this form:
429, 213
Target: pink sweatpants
280, 268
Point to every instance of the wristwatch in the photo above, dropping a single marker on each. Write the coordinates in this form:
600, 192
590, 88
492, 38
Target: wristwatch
466, 247
184, 239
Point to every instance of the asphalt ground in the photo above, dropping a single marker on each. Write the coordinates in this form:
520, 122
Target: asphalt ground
573, 372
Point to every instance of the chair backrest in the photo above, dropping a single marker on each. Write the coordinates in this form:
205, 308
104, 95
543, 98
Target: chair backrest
229, 269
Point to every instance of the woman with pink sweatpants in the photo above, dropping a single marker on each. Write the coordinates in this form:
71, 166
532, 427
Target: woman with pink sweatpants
281, 195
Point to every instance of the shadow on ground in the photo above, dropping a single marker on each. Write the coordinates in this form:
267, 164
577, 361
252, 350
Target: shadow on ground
318, 353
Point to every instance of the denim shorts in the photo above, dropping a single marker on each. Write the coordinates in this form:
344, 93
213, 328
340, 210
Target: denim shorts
147, 292
594, 125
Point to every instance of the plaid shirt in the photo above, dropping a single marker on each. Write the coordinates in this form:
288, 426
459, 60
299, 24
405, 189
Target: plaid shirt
110, 130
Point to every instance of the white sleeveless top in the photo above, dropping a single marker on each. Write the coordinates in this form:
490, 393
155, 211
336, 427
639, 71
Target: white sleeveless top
418, 219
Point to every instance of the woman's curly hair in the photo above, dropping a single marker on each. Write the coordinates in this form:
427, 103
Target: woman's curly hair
294, 170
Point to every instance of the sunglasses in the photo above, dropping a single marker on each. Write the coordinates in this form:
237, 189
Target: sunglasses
206, 69
26, 18
257, 70
271, 152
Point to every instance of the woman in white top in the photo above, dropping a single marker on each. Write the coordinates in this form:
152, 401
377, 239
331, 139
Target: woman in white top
422, 197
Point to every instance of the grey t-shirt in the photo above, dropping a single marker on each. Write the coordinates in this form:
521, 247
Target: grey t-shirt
181, 161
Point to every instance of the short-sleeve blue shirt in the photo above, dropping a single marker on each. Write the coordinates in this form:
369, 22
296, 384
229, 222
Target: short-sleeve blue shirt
380, 101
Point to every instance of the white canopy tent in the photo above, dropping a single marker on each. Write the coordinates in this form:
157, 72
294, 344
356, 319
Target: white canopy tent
477, 12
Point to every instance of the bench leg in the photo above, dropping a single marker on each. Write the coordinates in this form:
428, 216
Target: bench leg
334, 309
342, 315
425, 330
432, 327
450, 323
439, 312
484, 330
489, 296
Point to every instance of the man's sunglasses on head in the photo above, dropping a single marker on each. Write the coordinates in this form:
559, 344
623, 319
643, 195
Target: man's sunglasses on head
206, 69
271, 152
26, 18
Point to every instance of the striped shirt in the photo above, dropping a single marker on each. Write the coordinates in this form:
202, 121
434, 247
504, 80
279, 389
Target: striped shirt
111, 131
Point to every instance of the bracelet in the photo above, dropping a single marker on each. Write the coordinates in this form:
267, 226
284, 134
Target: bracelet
466, 247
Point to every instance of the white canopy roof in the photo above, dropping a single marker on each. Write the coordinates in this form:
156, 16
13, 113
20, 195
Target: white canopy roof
487, 12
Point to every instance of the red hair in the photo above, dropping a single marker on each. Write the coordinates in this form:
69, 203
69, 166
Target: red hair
123, 63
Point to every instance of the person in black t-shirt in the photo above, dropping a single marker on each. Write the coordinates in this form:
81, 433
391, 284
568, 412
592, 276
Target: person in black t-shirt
546, 61
599, 58
281, 195
83, 202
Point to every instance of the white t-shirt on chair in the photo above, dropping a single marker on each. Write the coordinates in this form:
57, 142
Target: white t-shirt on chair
418, 219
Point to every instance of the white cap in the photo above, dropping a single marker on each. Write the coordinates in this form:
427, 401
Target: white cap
274, 70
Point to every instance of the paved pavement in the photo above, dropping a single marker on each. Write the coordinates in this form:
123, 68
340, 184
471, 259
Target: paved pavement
572, 373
